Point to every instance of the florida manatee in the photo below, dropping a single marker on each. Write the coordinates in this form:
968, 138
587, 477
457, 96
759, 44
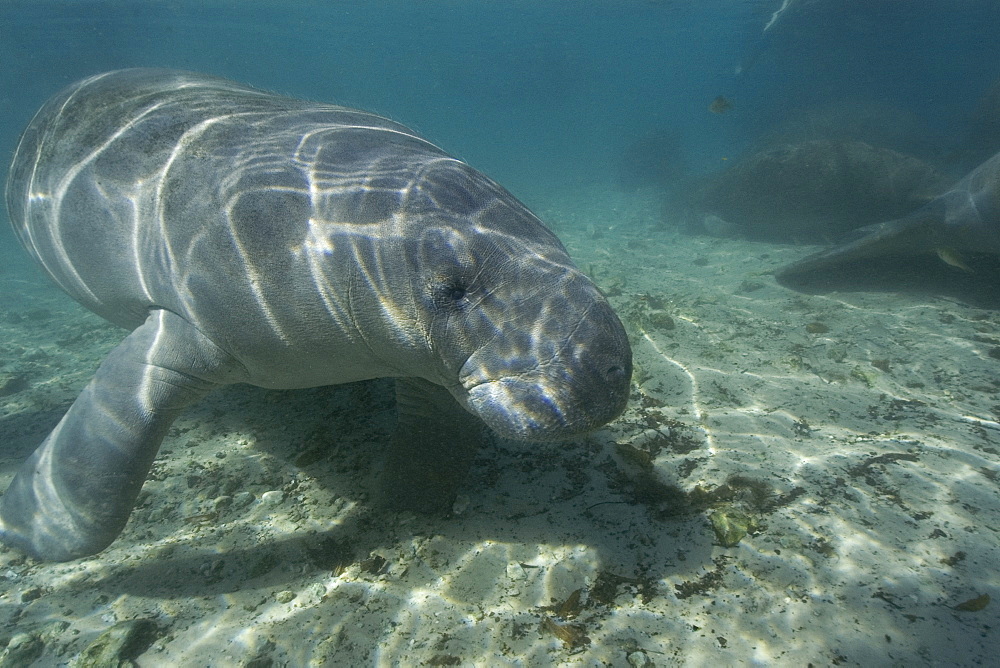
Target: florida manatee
245, 237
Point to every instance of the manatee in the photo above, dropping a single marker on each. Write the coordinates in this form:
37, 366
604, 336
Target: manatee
817, 190
245, 237
966, 219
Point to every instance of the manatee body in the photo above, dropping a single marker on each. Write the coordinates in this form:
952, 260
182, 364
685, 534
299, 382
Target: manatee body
964, 219
245, 237
819, 189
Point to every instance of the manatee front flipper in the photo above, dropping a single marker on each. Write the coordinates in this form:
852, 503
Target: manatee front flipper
432, 448
72, 497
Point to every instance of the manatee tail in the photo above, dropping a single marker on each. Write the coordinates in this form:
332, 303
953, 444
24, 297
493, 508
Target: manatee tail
913, 235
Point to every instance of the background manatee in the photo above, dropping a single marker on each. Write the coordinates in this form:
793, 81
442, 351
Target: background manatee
816, 190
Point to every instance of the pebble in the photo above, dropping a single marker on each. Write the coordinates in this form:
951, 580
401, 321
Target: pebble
30, 594
242, 499
461, 504
639, 660
272, 498
515, 571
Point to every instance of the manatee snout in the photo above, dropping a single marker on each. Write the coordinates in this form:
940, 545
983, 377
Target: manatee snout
528, 389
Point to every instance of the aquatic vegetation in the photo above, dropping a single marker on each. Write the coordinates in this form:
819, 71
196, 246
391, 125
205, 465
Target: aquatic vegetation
569, 608
572, 635
648, 312
707, 582
881, 365
600, 596
731, 525
973, 604
864, 376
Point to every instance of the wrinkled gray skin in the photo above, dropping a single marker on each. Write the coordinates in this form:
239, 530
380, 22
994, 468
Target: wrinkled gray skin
244, 237
964, 219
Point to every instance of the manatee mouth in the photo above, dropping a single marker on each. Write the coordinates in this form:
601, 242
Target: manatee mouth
541, 408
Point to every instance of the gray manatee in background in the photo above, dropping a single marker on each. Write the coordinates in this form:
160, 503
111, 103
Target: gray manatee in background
245, 237
818, 190
966, 219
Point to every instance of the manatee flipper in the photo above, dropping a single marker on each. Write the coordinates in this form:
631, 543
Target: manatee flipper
72, 497
964, 219
912, 235
434, 445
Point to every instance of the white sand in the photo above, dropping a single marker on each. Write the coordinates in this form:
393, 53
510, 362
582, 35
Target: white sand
876, 516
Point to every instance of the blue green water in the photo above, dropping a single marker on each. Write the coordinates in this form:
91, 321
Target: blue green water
872, 416
535, 92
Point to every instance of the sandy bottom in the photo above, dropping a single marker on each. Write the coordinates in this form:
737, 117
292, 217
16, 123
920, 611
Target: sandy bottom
799, 479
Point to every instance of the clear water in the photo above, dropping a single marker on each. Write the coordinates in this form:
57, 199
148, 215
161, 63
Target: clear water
531, 91
577, 104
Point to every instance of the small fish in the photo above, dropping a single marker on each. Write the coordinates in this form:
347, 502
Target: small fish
720, 105
951, 256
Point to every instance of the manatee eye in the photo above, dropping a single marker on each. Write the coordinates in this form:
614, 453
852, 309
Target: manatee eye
449, 291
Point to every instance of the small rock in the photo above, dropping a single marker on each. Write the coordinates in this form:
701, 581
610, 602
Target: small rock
242, 499
461, 504
397, 570
30, 594
515, 571
284, 596
639, 660
272, 498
